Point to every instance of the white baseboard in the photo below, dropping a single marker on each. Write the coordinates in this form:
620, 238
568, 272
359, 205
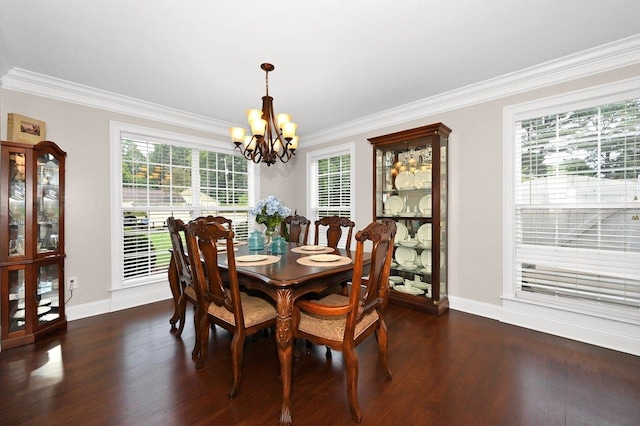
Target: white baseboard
607, 333
124, 298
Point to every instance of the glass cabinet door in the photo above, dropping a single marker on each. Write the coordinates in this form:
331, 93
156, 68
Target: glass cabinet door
17, 301
17, 204
48, 292
48, 205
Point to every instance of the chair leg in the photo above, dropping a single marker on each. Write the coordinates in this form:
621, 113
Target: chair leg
351, 364
237, 351
174, 285
381, 336
203, 340
196, 346
182, 312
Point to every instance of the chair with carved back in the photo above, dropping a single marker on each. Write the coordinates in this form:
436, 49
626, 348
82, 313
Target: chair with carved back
335, 226
229, 308
295, 226
343, 322
181, 282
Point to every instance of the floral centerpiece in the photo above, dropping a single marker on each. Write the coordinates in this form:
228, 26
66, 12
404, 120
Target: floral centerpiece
271, 212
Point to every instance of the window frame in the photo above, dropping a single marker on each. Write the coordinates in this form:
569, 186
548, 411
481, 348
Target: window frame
119, 130
591, 97
312, 182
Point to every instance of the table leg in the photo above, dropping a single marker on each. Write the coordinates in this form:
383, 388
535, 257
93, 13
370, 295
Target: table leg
284, 338
174, 284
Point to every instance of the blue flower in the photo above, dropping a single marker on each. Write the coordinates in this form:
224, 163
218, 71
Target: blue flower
270, 211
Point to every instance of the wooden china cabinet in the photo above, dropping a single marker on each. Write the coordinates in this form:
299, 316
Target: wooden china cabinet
32, 241
410, 185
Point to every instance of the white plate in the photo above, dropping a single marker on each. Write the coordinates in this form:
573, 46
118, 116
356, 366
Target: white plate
422, 179
43, 310
408, 243
394, 203
404, 180
424, 234
397, 279
45, 302
324, 257
405, 254
251, 258
408, 290
401, 232
312, 248
420, 284
425, 258
424, 205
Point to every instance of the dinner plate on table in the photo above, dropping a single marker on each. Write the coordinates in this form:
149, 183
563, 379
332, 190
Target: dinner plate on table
404, 180
394, 203
312, 248
325, 257
251, 258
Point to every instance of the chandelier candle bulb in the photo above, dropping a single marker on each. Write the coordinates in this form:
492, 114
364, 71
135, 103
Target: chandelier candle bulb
258, 126
237, 135
254, 114
282, 119
289, 130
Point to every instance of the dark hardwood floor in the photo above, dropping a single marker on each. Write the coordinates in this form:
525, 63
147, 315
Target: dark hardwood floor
126, 368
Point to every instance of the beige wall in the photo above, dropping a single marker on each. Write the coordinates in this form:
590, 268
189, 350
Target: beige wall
476, 184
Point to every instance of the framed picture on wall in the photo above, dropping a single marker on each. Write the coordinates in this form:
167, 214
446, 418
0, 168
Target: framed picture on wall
25, 129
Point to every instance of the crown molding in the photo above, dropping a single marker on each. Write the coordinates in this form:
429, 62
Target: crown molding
608, 57
24, 81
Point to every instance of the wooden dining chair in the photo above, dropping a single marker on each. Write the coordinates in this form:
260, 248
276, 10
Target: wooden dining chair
335, 226
181, 282
294, 226
229, 308
343, 322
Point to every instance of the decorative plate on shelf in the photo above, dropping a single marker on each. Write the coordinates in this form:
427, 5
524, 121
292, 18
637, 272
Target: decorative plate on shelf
401, 232
422, 179
425, 205
405, 254
425, 258
394, 203
408, 290
404, 180
424, 235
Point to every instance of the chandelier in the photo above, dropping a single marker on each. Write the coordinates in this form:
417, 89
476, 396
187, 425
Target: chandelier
273, 135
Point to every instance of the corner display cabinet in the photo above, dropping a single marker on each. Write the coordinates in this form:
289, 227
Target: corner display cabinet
410, 187
32, 241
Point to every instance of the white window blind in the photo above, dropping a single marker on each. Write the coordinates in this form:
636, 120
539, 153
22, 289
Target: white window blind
577, 229
330, 177
162, 178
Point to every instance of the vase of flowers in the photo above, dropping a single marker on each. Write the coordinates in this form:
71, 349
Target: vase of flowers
271, 212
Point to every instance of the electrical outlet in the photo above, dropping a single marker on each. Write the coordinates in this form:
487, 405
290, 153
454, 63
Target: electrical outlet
72, 283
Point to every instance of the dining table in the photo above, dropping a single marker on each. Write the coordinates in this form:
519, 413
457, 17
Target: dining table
285, 279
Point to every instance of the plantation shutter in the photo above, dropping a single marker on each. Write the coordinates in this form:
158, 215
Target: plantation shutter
331, 190
576, 207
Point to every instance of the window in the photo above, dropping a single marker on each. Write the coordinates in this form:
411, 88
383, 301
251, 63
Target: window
330, 176
575, 238
160, 175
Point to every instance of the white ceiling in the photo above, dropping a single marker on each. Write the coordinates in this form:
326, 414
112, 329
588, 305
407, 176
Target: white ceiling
336, 60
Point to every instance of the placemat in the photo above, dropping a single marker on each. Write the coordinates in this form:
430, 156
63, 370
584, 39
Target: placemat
324, 250
268, 261
308, 262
